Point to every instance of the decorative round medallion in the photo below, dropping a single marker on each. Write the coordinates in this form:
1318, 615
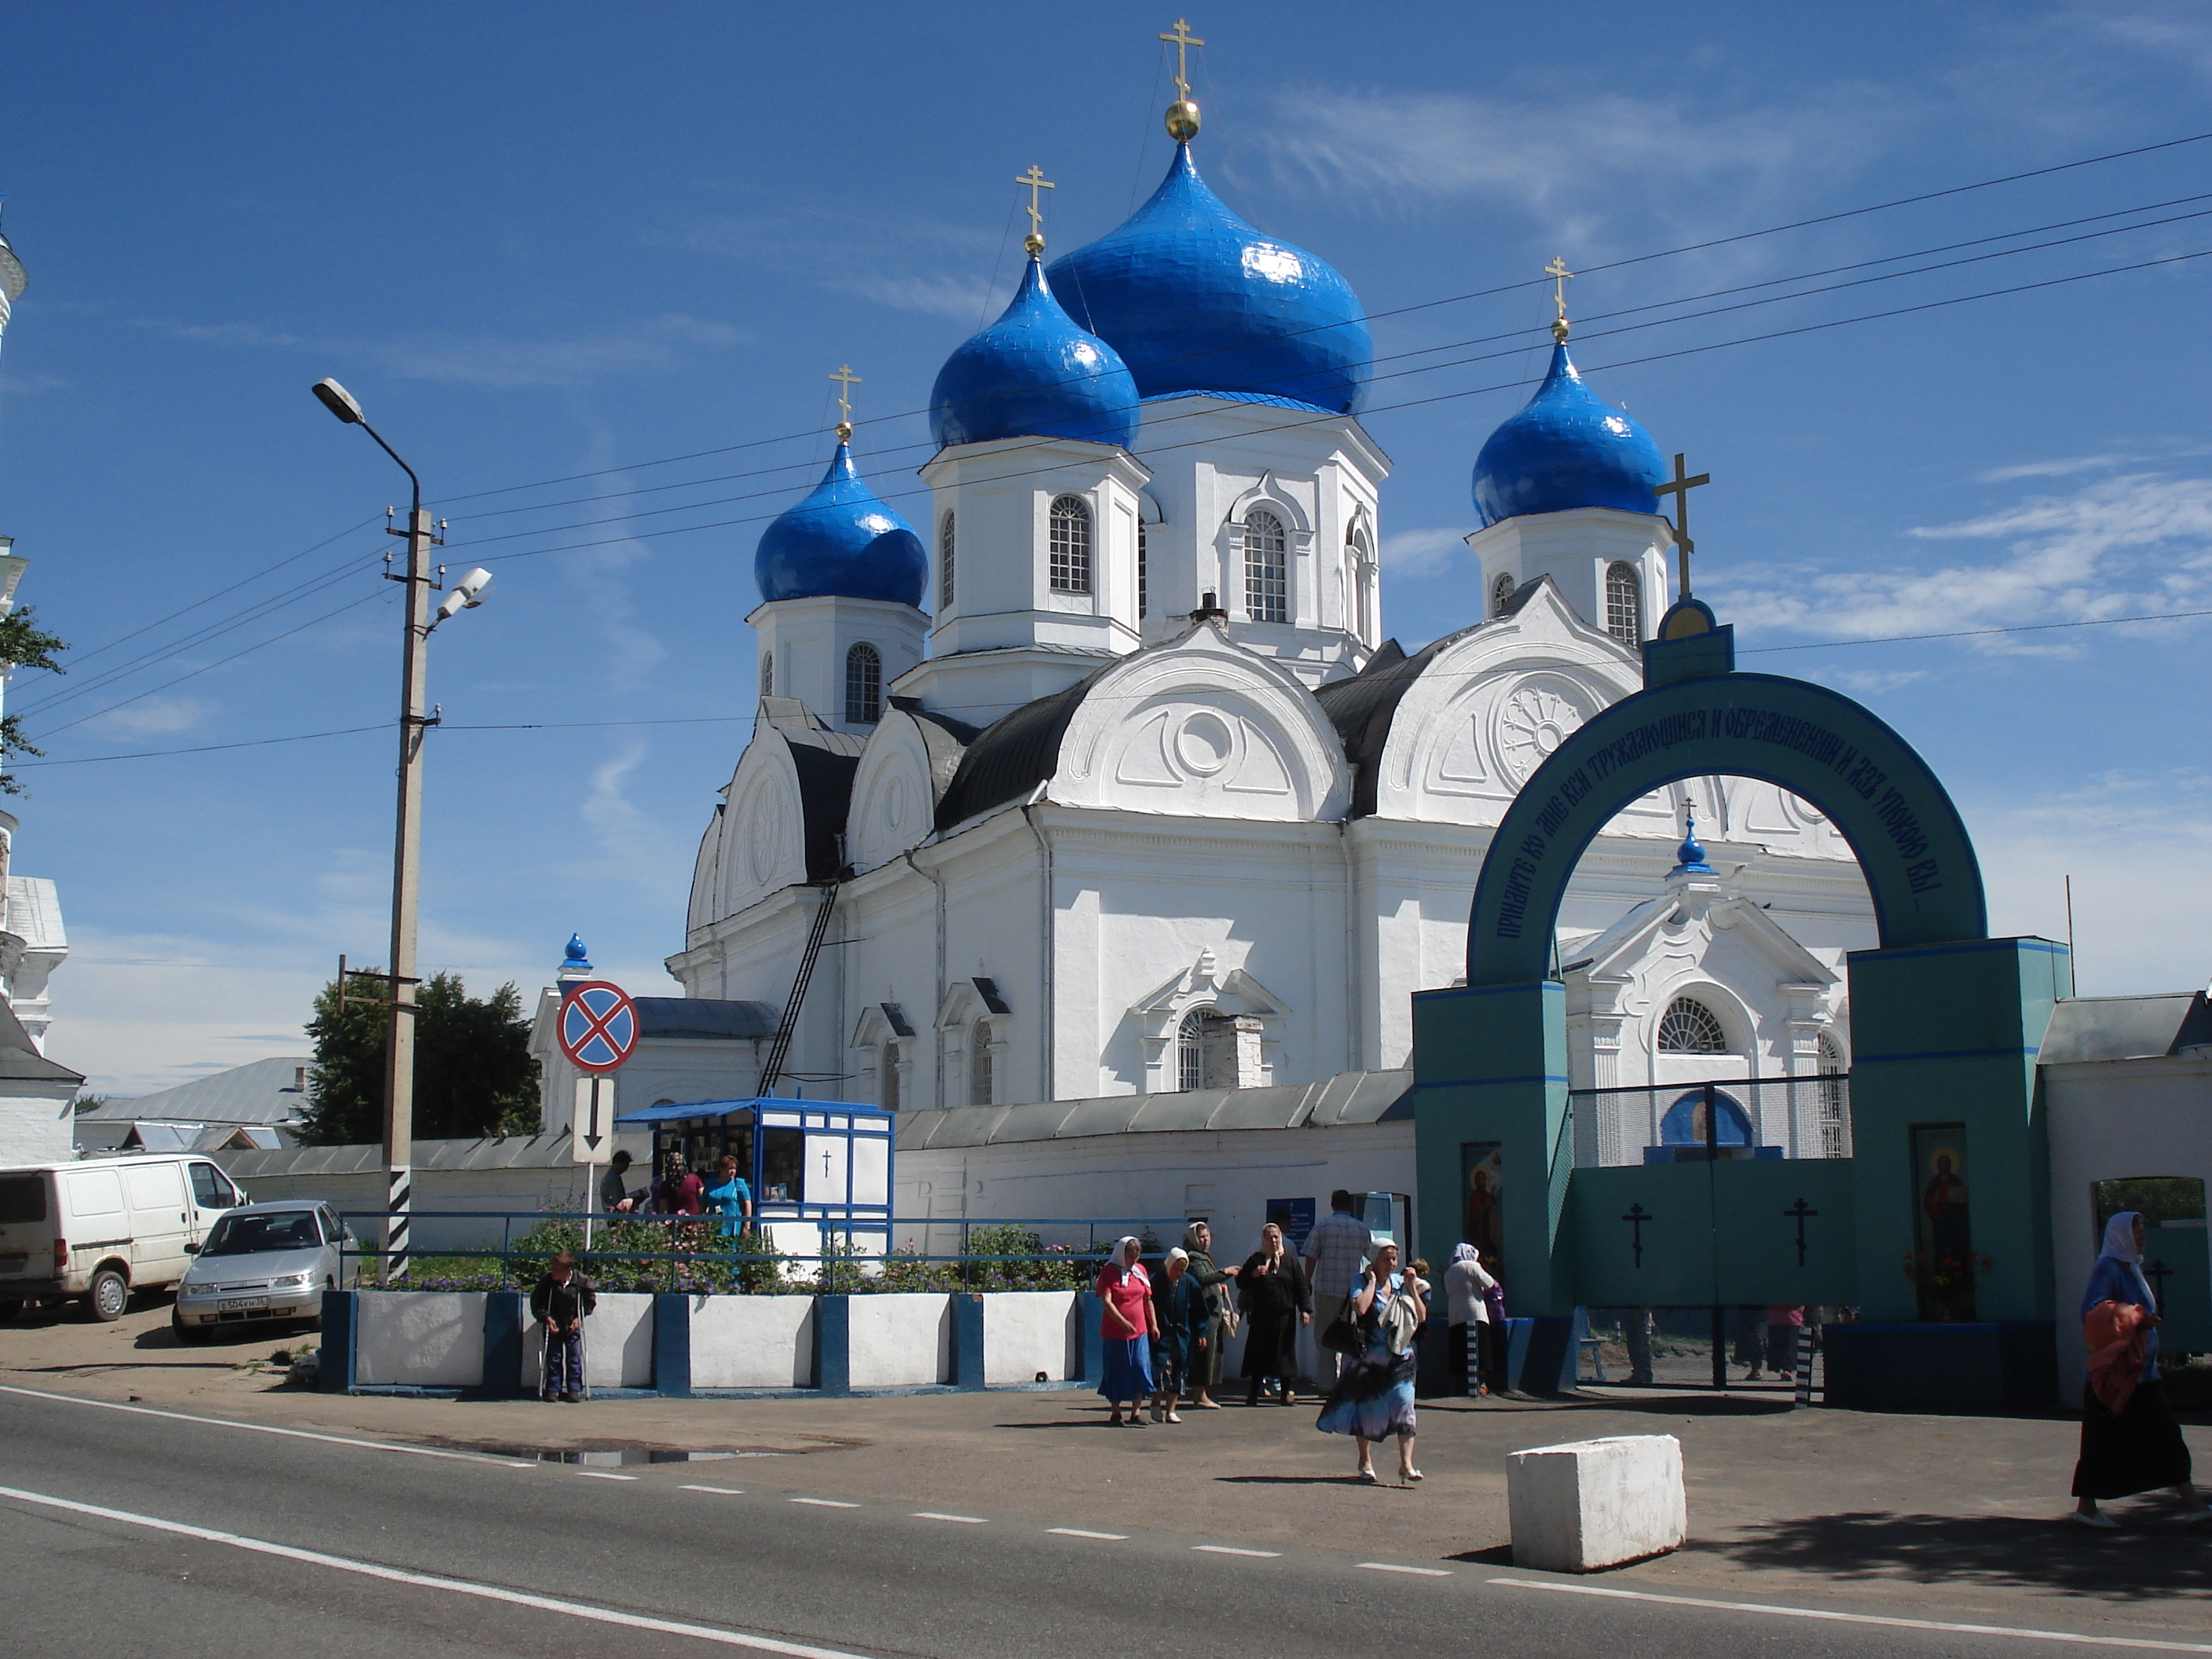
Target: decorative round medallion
767, 828
895, 804
1531, 722
1204, 743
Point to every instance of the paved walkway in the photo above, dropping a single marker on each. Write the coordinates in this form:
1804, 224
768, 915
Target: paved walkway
1960, 1518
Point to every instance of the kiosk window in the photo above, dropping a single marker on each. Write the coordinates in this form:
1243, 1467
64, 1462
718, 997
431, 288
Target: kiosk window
783, 1173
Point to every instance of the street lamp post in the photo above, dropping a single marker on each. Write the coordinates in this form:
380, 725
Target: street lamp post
407, 841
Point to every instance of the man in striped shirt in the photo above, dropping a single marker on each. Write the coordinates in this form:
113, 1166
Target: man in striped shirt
1336, 1254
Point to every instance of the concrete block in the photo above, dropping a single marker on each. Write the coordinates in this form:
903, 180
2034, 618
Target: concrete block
753, 1342
898, 1339
617, 1344
1025, 1332
1593, 1503
422, 1338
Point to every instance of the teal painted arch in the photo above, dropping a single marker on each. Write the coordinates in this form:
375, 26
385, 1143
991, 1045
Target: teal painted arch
1912, 847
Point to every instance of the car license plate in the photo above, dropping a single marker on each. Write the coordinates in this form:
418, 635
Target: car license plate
230, 1303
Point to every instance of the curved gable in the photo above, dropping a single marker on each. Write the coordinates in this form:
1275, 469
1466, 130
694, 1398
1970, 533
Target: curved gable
894, 794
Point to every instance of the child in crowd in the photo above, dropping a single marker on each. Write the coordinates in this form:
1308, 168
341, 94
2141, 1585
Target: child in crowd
559, 1303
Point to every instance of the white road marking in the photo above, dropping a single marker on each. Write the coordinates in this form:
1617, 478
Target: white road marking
964, 1520
822, 1503
604, 1474
727, 1491
457, 1586
261, 1428
2140, 1641
1392, 1566
1078, 1532
1230, 1549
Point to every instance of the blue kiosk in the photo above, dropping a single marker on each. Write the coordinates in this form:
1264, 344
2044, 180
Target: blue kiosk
819, 1169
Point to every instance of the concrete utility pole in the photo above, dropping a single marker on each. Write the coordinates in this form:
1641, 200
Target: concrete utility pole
407, 839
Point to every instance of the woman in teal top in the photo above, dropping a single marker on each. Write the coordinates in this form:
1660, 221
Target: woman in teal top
733, 1197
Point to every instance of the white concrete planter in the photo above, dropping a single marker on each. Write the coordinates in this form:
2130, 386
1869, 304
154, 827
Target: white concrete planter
753, 1342
617, 1344
428, 1338
1025, 1332
901, 1340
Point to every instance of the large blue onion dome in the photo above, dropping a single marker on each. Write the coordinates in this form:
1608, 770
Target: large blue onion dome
1565, 449
1033, 373
841, 542
1196, 300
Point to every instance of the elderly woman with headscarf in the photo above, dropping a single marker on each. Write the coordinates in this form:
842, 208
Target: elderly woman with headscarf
2131, 1441
1468, 1286
1272, 1287
1127, 1328
1373, 1399
1204, 1356
1179, 1313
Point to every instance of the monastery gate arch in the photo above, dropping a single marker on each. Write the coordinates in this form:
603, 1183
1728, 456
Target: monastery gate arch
1945, 1021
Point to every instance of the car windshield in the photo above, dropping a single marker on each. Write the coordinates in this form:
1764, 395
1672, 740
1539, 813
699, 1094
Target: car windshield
248, 1235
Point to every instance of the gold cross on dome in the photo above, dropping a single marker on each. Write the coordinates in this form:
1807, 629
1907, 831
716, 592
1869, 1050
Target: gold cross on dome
1558, 271
1679, 488
845, 382
1036, 180
1183, 40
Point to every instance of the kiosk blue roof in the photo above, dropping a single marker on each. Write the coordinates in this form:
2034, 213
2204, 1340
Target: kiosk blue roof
683, 1111
1033, 373
841, 542
1564, 449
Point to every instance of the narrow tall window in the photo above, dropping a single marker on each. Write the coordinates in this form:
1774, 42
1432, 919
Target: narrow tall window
981, 1084
1144, 590
864, 686
889, 1079
1624, 605
1190, 1053
1071, 544
1356, 559
944, 564
768, 673
1688, 1027
1501, 594
1835, 1114
1267, 575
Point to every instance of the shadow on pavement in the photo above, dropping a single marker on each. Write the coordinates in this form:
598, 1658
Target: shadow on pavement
2152, 1556
1287, 1480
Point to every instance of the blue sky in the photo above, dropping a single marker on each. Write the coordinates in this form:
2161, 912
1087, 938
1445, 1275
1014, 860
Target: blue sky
558, 239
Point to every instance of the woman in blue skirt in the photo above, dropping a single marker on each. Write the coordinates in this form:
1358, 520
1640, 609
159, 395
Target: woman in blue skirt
1374, 1395
1127, 1327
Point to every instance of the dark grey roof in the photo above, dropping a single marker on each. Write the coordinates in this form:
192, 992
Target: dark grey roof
21, 1061
988, 990
1361, 707
825, 762
484, 1152
259, 1091
703, 1019
2125, 1028
944, 738
1017, 753
1347, 1098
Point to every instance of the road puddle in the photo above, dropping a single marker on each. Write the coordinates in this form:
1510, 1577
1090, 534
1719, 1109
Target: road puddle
602, 1453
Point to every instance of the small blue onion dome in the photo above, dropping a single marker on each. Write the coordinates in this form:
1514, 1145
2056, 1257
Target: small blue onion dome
841, 542
1690, 856
1565, 449
1196, 300
1033, 373
573, 956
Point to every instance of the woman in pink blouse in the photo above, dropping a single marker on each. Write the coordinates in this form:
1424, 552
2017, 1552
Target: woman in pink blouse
1126, 1329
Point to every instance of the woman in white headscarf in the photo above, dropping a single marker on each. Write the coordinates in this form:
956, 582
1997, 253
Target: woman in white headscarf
1127, 1327
2130, 1440
1468, 1286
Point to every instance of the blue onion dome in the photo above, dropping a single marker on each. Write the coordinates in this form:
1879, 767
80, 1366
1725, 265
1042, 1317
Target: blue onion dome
1690, 856
841, 542
1033, 373
1196, 300
1565, 449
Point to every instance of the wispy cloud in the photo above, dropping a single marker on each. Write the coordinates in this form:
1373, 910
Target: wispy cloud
918, 265
2064, 467
1421, 552
153, 717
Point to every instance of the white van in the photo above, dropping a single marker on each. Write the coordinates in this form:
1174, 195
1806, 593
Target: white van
99, 1230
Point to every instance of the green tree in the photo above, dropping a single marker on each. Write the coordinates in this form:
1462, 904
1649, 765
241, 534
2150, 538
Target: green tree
23, 644
473, 1073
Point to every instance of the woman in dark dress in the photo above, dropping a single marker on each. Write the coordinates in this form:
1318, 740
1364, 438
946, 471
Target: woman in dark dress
1272, 1290
2131, 1441
1203, 1369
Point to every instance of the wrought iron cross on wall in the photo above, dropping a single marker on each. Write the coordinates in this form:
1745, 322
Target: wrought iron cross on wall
1802, 1211
2158, 1272
1637, 1215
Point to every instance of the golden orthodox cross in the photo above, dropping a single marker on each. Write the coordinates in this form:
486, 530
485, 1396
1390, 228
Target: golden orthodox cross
845, 382
1036, 180
1679, 488
1558, 271
1183, 40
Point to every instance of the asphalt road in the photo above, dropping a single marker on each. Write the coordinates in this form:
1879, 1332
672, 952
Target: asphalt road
145, 1532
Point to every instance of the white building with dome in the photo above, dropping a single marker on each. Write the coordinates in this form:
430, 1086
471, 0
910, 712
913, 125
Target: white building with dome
1108, 783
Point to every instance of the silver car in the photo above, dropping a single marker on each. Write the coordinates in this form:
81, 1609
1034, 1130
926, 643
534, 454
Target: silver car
262, 1262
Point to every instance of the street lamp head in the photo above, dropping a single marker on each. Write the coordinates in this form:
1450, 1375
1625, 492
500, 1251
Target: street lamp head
467, 594
340, 402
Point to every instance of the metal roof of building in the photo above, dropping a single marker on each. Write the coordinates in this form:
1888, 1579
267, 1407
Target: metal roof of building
259, 1091
483, 1153
1346, 1099
2125, 1028
20, 1058
704, 1018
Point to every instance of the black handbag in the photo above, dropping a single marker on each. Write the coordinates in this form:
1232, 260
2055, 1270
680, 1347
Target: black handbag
1344, 1336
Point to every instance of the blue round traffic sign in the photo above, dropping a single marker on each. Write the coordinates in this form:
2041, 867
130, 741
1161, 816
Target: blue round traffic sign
599, 1026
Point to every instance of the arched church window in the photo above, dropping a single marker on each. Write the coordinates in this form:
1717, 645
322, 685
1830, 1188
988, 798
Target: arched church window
1144, 587
1623, 604
888, 1067
768, 673
1071, 544
1501, 594
1267, 573
864, 686
1835, 1112
944, 564
1358, 556
982, 1084
1688, 1027
1190, 1053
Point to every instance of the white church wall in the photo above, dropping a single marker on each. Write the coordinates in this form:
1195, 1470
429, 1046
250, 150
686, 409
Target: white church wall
35, 1129
807, 641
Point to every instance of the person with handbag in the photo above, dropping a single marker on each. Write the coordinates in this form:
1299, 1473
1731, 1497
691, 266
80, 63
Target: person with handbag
2130, 1441
1203, 1361
1336, 1254
1272, 1288
1374, 1395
